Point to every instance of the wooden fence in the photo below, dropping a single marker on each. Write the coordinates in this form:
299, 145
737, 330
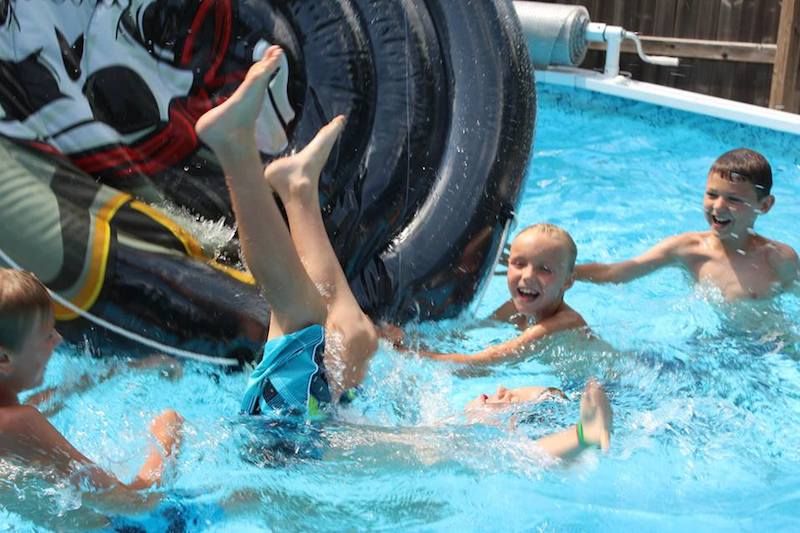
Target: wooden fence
753, 57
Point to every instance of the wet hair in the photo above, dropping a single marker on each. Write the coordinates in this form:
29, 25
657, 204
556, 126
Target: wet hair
24, 301
745, 166
553, 230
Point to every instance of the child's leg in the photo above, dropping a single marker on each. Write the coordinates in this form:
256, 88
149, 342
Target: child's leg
296, 180
596, 421
229, 130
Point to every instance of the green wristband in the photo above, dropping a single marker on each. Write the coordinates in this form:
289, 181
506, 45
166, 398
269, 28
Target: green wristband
579, 431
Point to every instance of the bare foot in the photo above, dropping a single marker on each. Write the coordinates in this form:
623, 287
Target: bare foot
596, 415
298, 174
233, 121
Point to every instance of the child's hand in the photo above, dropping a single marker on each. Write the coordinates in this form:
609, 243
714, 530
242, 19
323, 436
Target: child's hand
167, 429
394, 335
167, 366
597, 417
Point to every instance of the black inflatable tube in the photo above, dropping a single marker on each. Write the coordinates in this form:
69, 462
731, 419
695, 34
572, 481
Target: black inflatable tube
416, 196
480, 173
411, 118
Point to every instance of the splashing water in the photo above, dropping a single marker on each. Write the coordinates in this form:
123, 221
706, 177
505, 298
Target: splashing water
706, 394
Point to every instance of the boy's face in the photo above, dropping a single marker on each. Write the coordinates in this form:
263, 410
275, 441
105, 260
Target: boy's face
731, 207
538, 273
27, 365
505, 397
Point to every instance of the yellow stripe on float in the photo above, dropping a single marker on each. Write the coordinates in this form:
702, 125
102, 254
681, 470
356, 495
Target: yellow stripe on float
238, 275
98, 262
190, 244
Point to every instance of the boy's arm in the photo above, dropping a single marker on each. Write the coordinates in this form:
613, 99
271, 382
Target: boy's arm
662, 254
28, 435
397, 337
516, 347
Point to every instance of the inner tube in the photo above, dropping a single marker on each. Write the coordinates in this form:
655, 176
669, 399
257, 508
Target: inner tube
99, 155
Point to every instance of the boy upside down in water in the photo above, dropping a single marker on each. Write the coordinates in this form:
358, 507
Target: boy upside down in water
320, 341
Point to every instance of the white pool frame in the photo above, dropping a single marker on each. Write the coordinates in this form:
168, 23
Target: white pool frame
625, 87
612, 83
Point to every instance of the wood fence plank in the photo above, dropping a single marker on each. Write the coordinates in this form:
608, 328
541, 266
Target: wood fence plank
787, 56
707, 17
762, 21
729, 20
683, 19
631, 15
704, 27
729, 28
664, 25
618, 16
664, 18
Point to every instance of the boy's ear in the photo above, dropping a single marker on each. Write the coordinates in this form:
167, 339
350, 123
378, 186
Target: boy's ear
766, 204
570, 281
5, 362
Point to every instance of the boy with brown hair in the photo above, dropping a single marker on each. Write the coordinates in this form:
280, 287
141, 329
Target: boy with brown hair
730, 255
27, 340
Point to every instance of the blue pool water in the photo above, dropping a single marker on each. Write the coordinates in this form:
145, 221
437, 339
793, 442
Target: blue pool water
706, 395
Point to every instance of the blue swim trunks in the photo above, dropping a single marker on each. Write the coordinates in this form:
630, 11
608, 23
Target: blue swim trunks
291, 376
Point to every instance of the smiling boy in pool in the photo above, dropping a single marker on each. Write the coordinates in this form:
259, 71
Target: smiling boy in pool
730, 255
540, 271
27, 340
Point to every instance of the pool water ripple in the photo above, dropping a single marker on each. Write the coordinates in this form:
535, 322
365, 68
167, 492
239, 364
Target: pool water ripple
706, 396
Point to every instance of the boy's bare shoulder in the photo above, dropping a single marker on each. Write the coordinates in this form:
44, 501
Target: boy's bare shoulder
687, 247
568, 318
16, 418
782, 257
780, 251
18, 424
681, 244
690, 241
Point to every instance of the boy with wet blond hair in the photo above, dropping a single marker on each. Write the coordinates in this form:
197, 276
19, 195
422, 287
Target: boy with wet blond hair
730, 255
540, 271
27, 340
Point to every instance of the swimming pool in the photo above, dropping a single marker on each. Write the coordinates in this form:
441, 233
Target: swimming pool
706, 412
